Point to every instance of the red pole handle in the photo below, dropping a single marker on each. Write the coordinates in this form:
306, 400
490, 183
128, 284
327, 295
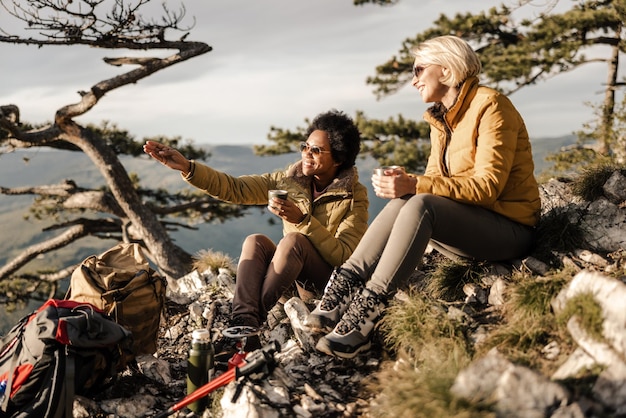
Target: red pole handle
203, 391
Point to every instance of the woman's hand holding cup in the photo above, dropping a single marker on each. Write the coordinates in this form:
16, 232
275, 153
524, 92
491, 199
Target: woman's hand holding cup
390, 182
280, 206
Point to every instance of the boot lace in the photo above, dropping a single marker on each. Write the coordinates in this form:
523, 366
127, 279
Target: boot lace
358, 313
339, 287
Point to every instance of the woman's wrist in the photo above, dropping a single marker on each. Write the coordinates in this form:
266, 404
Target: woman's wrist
191, 167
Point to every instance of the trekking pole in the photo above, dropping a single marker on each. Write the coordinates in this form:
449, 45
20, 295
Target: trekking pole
259, 361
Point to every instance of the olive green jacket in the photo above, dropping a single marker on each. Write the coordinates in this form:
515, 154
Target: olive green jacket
481, 155
334, 223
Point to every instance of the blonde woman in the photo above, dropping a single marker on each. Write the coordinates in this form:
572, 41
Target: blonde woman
477, 198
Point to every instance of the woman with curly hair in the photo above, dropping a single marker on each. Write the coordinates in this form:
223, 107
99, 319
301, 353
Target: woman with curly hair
324, 216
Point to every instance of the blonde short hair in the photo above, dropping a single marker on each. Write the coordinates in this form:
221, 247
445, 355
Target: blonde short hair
450, 52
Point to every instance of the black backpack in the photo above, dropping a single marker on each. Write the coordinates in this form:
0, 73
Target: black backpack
62, 349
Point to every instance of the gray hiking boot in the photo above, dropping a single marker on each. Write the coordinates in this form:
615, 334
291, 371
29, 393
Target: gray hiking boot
339, 292
352, 334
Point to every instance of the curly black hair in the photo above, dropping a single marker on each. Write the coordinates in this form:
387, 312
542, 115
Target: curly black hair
343, 135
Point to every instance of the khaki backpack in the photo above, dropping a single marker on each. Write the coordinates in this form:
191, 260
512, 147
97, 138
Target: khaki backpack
122, 284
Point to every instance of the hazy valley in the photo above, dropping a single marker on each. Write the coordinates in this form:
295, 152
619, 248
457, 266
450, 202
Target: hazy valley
41, 167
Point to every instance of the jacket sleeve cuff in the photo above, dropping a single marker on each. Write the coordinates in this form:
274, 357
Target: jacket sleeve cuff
423, 185
192, 170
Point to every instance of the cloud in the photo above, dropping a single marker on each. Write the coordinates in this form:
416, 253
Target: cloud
274, 62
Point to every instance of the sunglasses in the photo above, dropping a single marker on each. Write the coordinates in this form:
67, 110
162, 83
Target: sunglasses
417, 70
313, 149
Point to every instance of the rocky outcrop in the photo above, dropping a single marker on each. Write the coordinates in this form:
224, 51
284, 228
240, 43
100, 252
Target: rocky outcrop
517, 391
603, 220
305, 383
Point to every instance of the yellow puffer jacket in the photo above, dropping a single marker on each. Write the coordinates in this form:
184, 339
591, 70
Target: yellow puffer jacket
334, 223
481, 155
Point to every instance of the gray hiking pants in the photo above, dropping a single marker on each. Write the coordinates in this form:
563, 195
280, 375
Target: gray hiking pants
394, 243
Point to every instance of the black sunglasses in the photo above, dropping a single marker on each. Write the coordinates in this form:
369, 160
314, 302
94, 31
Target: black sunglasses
417, 70
314, 149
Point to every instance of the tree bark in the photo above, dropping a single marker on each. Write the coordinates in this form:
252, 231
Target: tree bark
79, 228
608, 106
171, 260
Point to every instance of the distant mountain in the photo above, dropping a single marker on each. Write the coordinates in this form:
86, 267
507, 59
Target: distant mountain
40, 167
544, 146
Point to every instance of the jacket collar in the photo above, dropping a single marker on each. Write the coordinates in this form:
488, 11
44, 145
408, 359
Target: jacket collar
466, 94
344, 182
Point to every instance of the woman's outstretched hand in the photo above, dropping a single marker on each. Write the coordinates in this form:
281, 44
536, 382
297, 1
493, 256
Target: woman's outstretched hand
167, 156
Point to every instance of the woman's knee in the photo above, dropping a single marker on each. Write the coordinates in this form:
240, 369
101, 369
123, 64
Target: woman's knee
256, 239
418, 203
257, 242
426, 202
293, 240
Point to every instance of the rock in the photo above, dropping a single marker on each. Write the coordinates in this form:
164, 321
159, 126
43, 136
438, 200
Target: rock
496, 293
536, 266
477, 383
516, 391
297, 312
610, 294
155, 369
304, 383
604, 223
614, 188
133, 406
524, 393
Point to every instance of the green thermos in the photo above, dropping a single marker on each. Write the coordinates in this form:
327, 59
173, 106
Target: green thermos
199, 366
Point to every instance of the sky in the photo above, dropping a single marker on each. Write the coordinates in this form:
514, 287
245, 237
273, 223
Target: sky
273, 63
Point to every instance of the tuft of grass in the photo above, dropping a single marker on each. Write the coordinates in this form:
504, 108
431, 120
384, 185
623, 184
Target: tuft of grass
532, 295
522, 339
589, 184
527, 323
433, 348
419, 323
211, 260
449, 277
406, 391
555, 234
589, 312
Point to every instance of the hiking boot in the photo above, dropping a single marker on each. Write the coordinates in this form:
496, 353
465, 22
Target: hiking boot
276, 315
352, 334
339, 292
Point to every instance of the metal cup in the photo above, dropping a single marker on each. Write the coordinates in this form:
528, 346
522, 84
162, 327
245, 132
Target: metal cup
380, 171
281, 194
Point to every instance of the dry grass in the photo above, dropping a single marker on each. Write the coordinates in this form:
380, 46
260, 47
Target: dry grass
589, 184
557, 234
433, 348
407, 391
448, 278
528, 323
213, 260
